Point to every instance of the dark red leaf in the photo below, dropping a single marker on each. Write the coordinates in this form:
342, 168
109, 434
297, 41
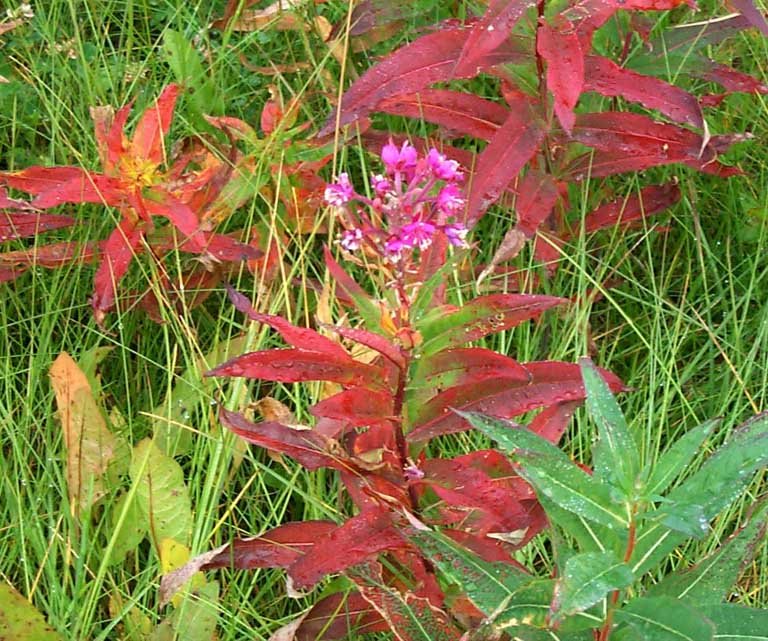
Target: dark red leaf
224, 248
551, 382
376, 342
22, 224
514, 144
358, 406
306, 446
338, 616
552, 422
149, 136
53, 255
8, 274
559, 45
480, 317
650, 201
298, 365
607, 78
480, 491
451, 367
536, 197
491, 550
299, 337
462, 113
755, 17
732, 79
429, 59
489, 33
118, 252
360, 538
686, 38
276, 548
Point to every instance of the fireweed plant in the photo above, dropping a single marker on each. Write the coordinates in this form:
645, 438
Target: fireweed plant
391, 402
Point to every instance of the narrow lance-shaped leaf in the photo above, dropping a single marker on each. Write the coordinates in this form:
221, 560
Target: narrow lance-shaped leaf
551, 473
480, 317
22, 224
608, 79
666, 619
514, 144
489, 33
736, 622
463, 113
587, 579
429, 59
675, 459
616, 455
710, 581
755, 17
559, 45
337, 616
487, 584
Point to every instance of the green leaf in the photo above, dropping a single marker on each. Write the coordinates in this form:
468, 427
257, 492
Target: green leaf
530, 607
161, 493
718, 483
736, 622
711, 579
20, 620
552, 473
590, 536
189, 72
616, 455
196, 618
677, 457
486, 584
127, 535
666, 619
587, 579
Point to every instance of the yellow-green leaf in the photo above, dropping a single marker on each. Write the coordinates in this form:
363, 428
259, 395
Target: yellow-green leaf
20, 621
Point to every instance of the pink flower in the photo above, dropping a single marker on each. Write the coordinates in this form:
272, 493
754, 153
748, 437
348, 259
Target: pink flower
443, 168
351, 239
393, 247
403, 159
380, 184
417, 234
340, 193
451, 199
456, 234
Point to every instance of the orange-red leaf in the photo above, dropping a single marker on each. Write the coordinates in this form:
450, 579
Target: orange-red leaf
149, 136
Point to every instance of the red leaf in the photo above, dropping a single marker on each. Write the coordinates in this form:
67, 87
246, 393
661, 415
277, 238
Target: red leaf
732, 79
299, 337
276, 548
149, 136
225, 249
57, 185
359, 406
451, 367
306, 446
121, 246
429, 59
559, 45
360, 538
755, 17
651, 200
298, 365
463, 113
376, 342
514, 144
23, 224
536, 197
551, 382
480, 317
491, 550
552, 422
340, 616
53, 255
608, 79
485, 488
489, 33
161, 203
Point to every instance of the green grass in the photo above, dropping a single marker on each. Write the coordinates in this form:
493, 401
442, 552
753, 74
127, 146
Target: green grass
687, 329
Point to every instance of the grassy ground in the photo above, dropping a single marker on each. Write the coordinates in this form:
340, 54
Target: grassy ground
687, 328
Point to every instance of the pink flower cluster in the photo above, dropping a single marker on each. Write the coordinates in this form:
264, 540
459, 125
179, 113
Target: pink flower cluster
415, 199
